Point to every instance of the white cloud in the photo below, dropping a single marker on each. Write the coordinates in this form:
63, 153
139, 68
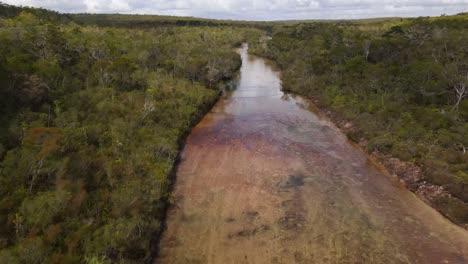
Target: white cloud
258, 9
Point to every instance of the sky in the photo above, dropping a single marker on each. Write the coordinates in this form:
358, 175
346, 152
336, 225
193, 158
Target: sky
257, 9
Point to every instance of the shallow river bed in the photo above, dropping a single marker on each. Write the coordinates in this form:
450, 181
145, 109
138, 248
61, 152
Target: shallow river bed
265, 179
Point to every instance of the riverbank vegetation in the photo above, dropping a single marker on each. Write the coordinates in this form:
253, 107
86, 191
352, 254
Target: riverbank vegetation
95, 108
91, 124
402, 83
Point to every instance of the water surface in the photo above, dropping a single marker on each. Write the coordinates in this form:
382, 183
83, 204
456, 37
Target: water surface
265, 179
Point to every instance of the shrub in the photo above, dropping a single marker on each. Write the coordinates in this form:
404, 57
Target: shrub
43, 209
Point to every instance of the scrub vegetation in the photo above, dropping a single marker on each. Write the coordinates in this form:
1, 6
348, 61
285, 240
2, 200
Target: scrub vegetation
403, 84
91, 125
95, 108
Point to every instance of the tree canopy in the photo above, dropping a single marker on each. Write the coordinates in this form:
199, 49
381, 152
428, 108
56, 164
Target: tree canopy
401, 82
91, 126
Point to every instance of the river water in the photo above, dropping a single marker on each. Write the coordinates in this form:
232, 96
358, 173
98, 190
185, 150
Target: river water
265, 179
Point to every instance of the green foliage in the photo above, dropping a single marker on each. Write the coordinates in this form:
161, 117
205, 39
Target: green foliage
91, 125
96, 260
400, 82
151, 21
10, 11
356, 66
30, 250
395, 30
43, 209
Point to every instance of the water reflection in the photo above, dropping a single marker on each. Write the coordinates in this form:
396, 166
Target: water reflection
264, 179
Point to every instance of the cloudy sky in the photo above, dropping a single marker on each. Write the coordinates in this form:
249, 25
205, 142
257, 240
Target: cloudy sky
258, 9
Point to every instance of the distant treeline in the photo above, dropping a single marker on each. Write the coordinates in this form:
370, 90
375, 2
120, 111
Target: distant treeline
148, 21
10, 11
128, 21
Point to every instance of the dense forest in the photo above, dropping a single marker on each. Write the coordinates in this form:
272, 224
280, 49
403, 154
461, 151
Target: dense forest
149, 21
402, 84
91, 125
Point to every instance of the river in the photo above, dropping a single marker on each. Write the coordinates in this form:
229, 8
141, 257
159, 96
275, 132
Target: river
265, 179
